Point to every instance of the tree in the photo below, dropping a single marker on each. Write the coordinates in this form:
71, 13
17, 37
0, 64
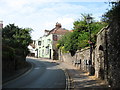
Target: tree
113, 14
17, 38
79, 38
14, 48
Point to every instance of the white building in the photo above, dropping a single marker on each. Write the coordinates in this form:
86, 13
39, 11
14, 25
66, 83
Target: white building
46, 45
32, 49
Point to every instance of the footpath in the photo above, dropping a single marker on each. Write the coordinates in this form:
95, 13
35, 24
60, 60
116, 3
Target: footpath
79, 79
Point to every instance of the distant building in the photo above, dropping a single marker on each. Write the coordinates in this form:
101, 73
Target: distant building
46, 45
32, 51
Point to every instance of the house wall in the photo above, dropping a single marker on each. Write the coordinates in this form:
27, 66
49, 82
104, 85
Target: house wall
46, 46
47, 49
55, 49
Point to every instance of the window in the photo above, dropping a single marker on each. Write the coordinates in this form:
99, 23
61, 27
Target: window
47, 50
55, 38
48, 41
43, 43
39, 42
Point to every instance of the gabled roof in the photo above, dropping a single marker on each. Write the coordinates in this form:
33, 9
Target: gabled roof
58, 30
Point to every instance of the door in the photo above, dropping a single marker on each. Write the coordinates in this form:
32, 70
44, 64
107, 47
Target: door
50, 54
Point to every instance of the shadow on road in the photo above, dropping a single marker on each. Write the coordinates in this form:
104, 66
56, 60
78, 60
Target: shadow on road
82, 80
44, 74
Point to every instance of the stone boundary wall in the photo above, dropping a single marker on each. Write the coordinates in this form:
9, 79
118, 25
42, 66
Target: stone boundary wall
100, 54
82, 58
113, 49
105, 56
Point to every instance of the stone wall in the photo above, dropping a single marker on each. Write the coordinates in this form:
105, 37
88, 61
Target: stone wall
80, 59
113, 50
100, 54
105, 56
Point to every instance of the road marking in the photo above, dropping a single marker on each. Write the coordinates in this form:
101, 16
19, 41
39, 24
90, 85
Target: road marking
37, 68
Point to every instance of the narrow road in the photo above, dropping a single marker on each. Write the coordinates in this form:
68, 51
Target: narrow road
44, 74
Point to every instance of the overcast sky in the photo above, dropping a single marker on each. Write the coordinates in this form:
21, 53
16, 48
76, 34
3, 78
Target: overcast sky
43, 14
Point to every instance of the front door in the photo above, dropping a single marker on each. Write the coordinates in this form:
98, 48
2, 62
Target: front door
50, 54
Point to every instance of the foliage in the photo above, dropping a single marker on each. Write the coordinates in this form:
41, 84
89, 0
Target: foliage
14, 47
16, 37
113, 14
8, 52
79, 38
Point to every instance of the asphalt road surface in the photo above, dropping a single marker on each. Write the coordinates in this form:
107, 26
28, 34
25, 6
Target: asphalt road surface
43, 74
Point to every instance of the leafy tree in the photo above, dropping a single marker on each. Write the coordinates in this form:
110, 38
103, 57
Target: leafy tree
16, 37
79, 38
113, 14
14, 47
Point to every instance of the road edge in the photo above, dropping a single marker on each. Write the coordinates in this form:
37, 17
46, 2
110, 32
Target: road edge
68, 81
18, 75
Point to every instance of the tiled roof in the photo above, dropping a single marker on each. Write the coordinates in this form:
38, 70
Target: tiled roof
58, 30
71, 30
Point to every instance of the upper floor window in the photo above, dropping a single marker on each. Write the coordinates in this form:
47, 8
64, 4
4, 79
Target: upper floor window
48, 41
55, 38
39, 42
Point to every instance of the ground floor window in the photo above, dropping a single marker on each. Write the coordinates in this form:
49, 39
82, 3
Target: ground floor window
47, 50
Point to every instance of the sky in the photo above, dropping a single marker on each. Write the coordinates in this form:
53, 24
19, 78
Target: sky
43, 14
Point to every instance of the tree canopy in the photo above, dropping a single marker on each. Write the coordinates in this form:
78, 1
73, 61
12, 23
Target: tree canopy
14, 48
79, 38
16, 38
112, 15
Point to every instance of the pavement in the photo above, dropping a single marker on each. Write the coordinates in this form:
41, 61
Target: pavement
76, 78
79, 79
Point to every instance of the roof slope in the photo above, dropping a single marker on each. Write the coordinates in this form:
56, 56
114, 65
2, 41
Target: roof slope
58, 30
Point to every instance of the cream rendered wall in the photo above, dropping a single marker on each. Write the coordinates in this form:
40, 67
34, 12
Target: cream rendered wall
46, 46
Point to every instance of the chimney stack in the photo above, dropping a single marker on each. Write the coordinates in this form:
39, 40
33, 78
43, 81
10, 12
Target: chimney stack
58, 25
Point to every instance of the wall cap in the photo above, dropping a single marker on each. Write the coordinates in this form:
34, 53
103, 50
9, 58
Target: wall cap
104, 28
